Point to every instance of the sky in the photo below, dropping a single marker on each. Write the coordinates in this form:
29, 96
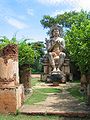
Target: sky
22, 17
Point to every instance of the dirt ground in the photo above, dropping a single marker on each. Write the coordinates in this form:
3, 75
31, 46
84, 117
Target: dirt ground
35, 75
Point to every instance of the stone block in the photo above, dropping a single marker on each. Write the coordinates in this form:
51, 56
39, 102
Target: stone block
11, 99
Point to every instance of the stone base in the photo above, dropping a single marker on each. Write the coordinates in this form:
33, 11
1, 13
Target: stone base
57, 76
54, 76
11, 99
88, 94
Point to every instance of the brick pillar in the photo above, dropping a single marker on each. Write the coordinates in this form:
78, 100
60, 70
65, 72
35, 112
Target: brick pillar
9, 66
25, 77
11, 92
88, 89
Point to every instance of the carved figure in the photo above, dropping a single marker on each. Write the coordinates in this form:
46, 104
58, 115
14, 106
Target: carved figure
55, 47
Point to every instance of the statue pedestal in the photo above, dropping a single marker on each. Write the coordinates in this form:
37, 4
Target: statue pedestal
57, 77
47, 70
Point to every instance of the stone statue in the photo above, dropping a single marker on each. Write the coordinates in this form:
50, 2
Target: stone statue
55, 47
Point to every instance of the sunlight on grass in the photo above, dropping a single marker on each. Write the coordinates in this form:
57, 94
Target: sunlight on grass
37, 96
74, 91
49, 90
40, 95
34, 81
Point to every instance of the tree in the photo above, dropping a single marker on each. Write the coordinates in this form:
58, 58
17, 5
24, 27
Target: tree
77, 36
38, 49
4, 41
48, 21
66, 19
78, 44
26, 53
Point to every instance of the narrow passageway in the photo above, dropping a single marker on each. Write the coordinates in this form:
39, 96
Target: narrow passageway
60, 103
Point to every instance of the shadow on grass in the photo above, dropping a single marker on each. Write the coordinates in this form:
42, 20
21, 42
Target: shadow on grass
75, 92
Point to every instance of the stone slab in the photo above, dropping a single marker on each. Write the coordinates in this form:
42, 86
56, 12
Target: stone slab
11, 99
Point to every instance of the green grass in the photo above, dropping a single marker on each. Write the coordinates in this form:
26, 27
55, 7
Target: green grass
49, 90
39, 117
34, 81
40, 95
74, 91
76, 81
36, 97
28, 117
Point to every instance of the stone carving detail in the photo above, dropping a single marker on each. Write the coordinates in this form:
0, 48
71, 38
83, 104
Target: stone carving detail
55, 52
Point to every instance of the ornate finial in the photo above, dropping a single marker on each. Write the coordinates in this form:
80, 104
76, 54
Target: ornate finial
56, 26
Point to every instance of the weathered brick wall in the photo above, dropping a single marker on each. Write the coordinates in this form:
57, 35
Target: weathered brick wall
88, 88
9, 66
25, 76
11, 99
7, 100
11, 92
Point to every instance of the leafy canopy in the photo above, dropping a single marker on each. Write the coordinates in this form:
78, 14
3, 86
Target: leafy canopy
77, 35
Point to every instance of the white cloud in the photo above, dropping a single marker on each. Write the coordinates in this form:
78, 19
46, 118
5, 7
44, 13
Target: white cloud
52, 2
85, 4
58, 12
16, 23
30, 12
75, 4
79, 4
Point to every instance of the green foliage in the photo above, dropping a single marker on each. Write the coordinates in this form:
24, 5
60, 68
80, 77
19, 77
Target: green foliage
37, 46
48, 21
38, 49
69, 18
4, 41
77, 36
78, 44
26, 53
66, 19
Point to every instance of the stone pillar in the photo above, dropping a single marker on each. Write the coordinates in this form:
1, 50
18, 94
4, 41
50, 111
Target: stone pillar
11, 92
88, 88
84, 83
25, 77
46, 69
66, 67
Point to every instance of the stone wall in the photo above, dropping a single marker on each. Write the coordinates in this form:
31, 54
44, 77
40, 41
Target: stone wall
11, 92
9, 66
